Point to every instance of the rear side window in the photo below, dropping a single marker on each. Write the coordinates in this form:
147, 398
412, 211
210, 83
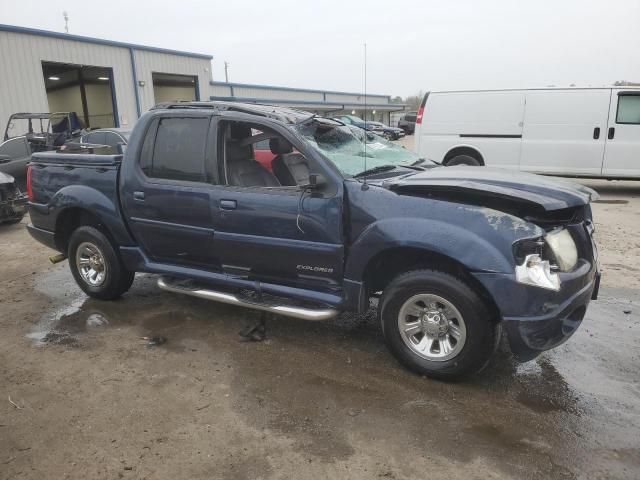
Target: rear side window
179, 150
628, 109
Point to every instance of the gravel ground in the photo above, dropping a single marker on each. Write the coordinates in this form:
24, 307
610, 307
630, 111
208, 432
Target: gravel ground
83, 396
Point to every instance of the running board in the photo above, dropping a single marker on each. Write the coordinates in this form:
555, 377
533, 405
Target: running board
231, 299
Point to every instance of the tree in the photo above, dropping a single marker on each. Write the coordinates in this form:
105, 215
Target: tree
414, 101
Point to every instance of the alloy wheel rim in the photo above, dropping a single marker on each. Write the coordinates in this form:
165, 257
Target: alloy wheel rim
432, 327
91, 264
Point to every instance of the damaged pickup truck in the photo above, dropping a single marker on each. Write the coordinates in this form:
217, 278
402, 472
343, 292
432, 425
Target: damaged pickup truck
332, 219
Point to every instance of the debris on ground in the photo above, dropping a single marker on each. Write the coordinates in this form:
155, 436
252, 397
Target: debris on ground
255, 332
14, 403
155, 341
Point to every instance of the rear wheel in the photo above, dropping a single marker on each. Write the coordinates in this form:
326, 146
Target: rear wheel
463, 160
437, 325
96, 266
389, 136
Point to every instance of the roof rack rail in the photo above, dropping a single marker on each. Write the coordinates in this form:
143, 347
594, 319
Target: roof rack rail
289, 115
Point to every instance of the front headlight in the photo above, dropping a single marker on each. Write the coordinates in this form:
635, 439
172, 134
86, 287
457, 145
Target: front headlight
563, 248
537, 272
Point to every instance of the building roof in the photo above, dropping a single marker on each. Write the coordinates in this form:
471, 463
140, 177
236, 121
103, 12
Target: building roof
291, 89
312, 103
98, 41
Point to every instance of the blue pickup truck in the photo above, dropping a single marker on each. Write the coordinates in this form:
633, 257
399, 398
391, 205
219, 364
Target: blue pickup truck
453, 255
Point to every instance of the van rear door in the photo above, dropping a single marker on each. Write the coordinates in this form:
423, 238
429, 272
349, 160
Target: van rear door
564, 131
622, 151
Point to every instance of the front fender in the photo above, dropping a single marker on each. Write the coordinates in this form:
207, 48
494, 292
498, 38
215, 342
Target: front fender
456, 242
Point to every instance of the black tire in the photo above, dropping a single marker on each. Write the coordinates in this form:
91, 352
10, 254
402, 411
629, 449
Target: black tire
464, 160
117, 279
482, 330
389, 136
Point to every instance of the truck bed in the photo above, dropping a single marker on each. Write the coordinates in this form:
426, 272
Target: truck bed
58, 180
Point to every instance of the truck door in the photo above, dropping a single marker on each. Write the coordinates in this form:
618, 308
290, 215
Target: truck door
622, 151
271, 228
167, 195
564, 131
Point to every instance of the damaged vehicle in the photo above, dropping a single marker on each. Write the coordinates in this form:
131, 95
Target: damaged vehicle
27, 133
453, 255
13, 203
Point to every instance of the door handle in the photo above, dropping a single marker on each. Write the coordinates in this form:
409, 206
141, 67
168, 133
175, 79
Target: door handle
612, 133
228, 204
138, 196
596, 133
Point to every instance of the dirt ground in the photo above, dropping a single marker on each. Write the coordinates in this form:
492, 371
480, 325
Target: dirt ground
83, 397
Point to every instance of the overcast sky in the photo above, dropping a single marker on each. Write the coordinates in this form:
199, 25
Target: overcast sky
412, 45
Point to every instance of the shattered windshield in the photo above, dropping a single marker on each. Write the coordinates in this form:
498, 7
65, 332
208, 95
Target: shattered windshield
347, 147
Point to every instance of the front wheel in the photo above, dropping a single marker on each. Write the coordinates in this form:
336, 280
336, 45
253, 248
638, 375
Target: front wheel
96, 266
437, 325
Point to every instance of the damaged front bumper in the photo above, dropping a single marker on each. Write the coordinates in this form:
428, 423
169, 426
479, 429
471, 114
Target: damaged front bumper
536, 319
13, 208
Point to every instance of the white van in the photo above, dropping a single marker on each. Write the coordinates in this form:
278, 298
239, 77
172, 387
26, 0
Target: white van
588, 132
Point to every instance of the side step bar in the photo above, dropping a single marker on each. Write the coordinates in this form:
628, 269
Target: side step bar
222, 297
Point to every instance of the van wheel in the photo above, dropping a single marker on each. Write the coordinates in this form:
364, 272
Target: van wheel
463, 160
437, 325
95, 265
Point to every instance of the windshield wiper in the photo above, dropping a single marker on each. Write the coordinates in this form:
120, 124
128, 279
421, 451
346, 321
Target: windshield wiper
374, 170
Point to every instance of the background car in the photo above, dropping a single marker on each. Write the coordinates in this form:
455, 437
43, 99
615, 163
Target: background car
390, 133
360, 123
110, 137
408, 122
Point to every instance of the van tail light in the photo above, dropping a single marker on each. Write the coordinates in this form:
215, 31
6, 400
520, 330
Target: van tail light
29, 189
420, 113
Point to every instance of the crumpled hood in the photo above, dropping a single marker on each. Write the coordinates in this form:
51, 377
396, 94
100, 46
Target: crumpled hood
545, 192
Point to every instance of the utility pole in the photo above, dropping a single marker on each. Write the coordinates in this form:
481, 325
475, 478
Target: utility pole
66, 21
226, 71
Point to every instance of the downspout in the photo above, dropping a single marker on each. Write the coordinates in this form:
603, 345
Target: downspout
135, 81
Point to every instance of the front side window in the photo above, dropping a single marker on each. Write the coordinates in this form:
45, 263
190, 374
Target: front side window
179, 150
628, 109
257, 156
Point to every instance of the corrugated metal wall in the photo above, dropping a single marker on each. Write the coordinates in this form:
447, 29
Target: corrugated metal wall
148, 62
22, 84
21, 73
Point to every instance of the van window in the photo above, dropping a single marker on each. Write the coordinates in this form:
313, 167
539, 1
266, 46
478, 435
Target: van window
628, 109
179, 150
410, 117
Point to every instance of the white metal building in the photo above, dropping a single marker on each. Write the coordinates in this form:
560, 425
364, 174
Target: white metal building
109, 83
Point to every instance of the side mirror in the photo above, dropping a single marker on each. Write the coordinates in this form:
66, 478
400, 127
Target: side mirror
316, 180
5, 158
